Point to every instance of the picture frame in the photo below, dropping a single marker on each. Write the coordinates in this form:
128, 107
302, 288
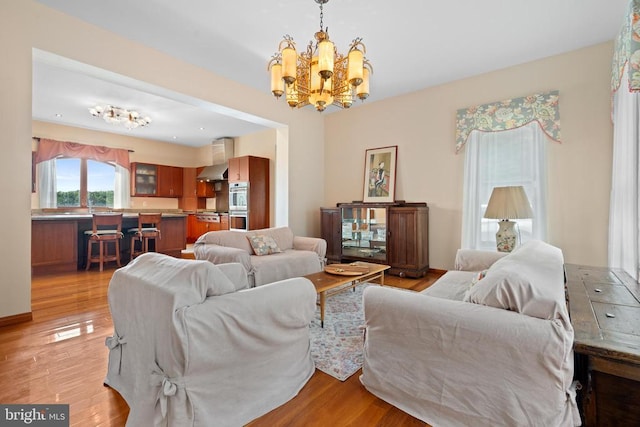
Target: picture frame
380, 174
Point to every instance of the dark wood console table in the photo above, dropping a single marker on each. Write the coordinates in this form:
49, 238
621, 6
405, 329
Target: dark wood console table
605, 313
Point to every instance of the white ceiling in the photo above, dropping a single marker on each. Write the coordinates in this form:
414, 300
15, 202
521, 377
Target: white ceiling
412, 44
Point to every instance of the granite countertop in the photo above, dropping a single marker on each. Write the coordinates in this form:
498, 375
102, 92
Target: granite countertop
42, 216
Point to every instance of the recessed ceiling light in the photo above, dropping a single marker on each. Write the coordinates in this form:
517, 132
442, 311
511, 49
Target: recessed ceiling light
174, 137
58, 115
201, 128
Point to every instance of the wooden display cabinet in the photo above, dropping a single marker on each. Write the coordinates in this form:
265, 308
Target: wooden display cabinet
330, 230
393, 234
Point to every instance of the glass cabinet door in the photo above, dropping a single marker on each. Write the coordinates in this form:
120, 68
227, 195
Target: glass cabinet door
364, 233
145, 179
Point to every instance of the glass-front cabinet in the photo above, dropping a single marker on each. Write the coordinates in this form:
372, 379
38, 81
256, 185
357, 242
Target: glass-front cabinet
364, 232
395, 234
144, 179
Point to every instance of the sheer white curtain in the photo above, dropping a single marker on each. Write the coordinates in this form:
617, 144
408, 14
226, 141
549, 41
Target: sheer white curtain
47, 188
624, 240
497, 159
122, 188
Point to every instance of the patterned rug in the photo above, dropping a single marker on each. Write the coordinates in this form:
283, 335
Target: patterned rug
337, 348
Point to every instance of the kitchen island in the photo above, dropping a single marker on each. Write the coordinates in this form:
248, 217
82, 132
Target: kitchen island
58, 242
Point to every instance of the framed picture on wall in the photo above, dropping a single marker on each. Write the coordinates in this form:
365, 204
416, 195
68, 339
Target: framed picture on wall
380, 174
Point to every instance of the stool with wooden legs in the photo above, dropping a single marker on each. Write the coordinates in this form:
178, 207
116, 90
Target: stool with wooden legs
107, 228
148, 229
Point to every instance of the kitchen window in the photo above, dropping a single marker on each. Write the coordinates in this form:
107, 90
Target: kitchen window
73, 175
84, 183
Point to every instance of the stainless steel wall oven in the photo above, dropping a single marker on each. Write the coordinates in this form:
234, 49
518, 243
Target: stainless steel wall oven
239, 206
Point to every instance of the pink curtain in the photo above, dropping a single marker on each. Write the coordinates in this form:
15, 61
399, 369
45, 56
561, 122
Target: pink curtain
50, 149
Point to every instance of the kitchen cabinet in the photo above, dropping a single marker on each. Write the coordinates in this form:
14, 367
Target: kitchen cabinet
201, 223
255, 171
196, 228
54, 246
169, 181
205, 189
144, 179
156, 180
58, 242
392, 234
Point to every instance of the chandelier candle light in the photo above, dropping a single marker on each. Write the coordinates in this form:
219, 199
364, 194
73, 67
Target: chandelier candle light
504, 204
113, 115
320, 76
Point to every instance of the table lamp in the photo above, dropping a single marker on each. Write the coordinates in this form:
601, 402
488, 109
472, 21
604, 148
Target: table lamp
507, 203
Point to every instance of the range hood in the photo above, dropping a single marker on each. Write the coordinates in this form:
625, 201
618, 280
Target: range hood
221, 152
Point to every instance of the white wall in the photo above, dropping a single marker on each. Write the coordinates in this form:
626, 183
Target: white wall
27, 24
422, 125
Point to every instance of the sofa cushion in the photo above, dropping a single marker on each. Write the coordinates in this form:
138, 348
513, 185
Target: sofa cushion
452, 285
528, 281
283, 236
263, 245
289, 263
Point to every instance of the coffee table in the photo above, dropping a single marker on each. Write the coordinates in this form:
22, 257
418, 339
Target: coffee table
328, 284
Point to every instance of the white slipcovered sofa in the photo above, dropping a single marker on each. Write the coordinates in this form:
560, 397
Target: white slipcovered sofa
488, 347
292, 256
194, 346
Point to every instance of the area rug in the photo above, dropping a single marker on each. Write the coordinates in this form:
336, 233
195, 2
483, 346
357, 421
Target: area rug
337, 348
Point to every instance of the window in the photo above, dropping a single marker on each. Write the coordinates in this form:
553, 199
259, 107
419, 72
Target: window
497, 159
84, 183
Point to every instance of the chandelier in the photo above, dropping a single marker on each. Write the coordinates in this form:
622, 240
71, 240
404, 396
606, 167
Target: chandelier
320, 76
114, 115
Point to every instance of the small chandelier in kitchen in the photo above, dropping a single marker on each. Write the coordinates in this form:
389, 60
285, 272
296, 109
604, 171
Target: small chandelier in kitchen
320, 76
113, 115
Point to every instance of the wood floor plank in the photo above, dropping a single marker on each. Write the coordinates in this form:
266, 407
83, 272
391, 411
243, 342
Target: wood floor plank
60, 357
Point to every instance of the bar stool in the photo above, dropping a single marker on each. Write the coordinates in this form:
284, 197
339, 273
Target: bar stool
107, 228
148, 229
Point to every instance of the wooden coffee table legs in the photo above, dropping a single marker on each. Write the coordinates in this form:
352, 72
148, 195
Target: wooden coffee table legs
330, 284
323, 299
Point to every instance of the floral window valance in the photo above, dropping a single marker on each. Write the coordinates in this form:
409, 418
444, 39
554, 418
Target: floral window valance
627, 50
510, 114
49, 149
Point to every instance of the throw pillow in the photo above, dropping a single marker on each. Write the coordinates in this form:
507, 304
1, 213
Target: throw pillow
263, 245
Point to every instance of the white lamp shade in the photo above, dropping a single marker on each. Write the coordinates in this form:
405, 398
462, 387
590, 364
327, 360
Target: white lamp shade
508, 203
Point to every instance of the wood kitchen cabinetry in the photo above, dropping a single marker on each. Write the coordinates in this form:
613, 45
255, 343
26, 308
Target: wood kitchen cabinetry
248, 169
58, 242
205, 189
393, 234
196, 227
255, 171
144, 179
54, 246
156, 180
169, 181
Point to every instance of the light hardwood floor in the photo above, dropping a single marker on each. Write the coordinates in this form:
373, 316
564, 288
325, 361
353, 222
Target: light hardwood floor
60, 357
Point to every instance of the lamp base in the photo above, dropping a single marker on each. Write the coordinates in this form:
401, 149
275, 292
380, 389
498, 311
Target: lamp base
506, 236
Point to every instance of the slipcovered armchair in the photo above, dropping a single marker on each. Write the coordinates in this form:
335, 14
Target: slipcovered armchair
193, 345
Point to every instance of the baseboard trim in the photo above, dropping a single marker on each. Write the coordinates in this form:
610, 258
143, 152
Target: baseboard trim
16, 318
